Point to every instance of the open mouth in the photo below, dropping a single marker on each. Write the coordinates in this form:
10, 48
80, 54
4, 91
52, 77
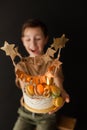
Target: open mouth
34, 51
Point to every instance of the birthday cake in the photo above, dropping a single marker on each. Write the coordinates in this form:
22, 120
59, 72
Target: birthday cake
40, 93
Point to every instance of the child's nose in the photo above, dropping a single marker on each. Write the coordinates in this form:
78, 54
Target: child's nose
33, 44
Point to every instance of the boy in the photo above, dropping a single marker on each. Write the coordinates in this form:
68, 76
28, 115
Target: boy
34, 38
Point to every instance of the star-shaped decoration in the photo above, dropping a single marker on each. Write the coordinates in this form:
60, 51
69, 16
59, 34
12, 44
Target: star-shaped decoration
46, 58
17, 53
59, 42
56, 63
10, 50
50, 52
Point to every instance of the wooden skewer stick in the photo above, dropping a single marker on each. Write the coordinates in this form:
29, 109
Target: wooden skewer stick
58, 56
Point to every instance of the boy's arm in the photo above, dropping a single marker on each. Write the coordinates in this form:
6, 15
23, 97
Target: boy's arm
58, 80
20, 66
17, 82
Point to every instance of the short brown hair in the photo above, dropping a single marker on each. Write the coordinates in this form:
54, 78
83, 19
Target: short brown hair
35, 23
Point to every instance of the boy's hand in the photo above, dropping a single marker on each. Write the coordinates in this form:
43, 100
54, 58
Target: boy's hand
66, 98
65, 95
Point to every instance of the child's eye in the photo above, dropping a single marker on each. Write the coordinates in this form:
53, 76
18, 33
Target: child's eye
27, 40
38, 38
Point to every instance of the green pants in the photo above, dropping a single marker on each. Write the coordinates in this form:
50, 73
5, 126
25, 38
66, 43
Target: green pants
28, 121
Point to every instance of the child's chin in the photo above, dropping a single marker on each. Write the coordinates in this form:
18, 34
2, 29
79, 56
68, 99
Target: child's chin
34, 54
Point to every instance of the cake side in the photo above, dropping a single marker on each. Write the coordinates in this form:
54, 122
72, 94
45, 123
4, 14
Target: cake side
39, 102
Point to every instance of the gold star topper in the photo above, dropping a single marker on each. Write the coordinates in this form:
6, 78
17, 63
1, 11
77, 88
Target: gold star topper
59, 42
50, 52
10, 50
46, 58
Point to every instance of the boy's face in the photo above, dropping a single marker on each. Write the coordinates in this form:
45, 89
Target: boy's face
34, 41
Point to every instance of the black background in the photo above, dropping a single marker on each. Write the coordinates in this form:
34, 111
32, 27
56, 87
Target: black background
62, 16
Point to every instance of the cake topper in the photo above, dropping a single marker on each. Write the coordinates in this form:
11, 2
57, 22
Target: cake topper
58, 43
11, 50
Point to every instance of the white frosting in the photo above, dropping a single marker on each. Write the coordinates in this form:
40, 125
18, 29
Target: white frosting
38, 103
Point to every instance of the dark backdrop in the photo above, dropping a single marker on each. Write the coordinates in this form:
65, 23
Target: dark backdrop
62, 16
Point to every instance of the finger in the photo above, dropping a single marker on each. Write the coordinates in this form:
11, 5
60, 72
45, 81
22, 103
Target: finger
67, 100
